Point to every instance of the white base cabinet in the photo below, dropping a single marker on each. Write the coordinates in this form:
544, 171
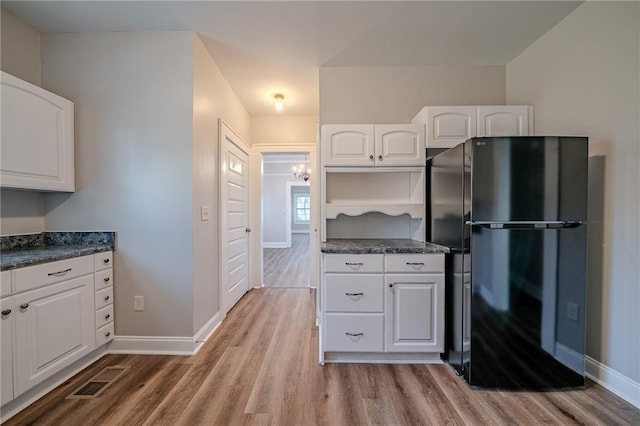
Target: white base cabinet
378, 306
52, 317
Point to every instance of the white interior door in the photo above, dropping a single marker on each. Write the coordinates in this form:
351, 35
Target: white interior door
234, 233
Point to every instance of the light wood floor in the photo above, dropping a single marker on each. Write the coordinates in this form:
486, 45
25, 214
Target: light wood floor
288, 267
261, 367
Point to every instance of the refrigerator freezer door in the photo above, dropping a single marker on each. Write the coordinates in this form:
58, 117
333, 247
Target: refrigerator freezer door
529, 179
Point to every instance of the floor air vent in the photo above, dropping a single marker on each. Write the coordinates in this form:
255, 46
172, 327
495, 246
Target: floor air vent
98, 383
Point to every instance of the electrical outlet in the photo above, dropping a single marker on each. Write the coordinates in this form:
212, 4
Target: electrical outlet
572, 311
138, 303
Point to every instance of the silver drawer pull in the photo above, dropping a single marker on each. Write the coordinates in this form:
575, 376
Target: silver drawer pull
354, 294
107, 316
106, 298
57, 274
6, 312
106, 280
354, 334
415, 263
24, 306
353, 263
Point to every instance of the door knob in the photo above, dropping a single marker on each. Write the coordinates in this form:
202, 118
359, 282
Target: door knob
247, 230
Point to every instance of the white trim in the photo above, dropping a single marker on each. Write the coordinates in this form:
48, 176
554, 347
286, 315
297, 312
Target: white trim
207, 331
610, 379
288, 211
278, 244
300, 231
21, 402
153, 345
381, 358
569, 358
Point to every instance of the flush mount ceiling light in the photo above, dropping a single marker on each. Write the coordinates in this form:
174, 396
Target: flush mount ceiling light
278, 101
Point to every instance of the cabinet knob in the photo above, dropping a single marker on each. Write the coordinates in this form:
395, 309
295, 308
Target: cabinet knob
6, 312
107, 316
106, 280
371, 157
107, 298
380, 157
24, 306
106, 261
107, 334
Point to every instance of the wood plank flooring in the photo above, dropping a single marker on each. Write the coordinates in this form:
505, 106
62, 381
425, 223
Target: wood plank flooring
288, 267
261, 368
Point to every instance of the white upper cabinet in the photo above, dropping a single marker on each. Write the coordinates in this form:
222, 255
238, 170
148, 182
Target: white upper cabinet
447, 126
399, 145
37, 138
373, 145
503, 120
347, 145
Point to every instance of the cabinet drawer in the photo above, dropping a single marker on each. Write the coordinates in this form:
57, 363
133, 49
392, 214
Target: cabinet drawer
354, 292
104, 279
420, 263
52, 272
5, 283
104, 316
104, 334
354, 332
104, 297
353, 262
103, 260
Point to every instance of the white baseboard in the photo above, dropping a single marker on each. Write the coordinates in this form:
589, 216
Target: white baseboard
610, 379
275, 245
569, 358
165, 345
300, 231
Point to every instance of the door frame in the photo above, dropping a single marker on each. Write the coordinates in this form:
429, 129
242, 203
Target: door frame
289, 208
224, 128
255, 198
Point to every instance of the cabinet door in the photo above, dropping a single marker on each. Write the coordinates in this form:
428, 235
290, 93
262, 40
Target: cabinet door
37, 138
503, 120
447, 126
347, 145
399, 145
6, 350
54, 327
414, 313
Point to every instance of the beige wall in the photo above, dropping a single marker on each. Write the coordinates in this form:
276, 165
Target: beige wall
20, 48
22, 212
395, 95
213, 98
284, 129
583, 78
133, 95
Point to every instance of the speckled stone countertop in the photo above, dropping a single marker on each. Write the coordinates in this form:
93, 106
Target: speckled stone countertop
25, 250
381, 246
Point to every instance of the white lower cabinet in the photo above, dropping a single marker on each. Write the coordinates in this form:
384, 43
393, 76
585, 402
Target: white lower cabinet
6, 349
54, 328
395, 307
55, 314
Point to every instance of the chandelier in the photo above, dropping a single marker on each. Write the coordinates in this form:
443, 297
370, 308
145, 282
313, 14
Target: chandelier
302, 172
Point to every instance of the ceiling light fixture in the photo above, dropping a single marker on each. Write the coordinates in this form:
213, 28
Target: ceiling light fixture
278, 101
302, 172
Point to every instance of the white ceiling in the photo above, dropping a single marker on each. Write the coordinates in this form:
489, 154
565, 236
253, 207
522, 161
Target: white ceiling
266, 47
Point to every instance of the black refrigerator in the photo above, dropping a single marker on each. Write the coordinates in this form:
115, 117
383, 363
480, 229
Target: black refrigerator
514, 212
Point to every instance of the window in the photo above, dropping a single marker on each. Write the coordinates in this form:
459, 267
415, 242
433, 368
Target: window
302, 212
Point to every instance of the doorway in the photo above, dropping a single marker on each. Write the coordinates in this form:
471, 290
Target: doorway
286, 218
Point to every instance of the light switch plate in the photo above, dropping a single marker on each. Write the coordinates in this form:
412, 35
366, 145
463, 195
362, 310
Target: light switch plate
204, 213
138, 303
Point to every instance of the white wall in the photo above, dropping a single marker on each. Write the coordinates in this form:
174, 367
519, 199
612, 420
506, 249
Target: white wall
133, 95
22, 212
583, 78
212, 98
283, 129
395, 95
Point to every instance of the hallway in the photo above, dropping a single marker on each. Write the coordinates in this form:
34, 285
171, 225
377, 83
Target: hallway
288, 267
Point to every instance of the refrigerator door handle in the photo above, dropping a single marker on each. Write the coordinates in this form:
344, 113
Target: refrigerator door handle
534, 224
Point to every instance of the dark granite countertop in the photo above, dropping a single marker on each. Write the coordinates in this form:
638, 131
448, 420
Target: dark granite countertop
381, 246
33, 249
